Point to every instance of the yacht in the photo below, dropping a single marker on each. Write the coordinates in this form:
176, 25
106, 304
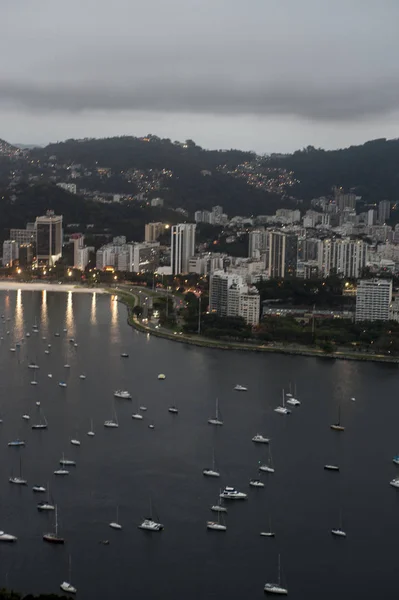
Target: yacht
91, 432
75, 442
149, 525
395, 482
276, 588
44, 506
211, 472
260, 439
65, 462
82, 376
256, 483
216, 525
161, 376
217, 420
282, 410
53, 537
230, 493
124, 355
62, 384
7, 537
61, 472
337, 426
331, 467
268, 467
116, 524
338, 532
16, 443
173, 410
26, 417
124, 394
240, 388
38, 489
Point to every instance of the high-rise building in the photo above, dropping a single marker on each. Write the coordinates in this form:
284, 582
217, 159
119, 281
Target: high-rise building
283, 248
373, 298
182, 247
10, 252
154, 230
24, 236
343, 257
371, 217
258, 243
230, 297
384, 211
49, 238
345, 201
145, 257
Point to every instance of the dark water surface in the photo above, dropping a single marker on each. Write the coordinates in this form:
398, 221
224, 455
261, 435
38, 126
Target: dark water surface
125, 466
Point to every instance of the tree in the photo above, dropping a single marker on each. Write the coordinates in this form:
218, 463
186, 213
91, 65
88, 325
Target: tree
137, 311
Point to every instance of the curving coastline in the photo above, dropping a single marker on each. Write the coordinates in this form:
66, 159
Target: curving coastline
49, 287
127, 298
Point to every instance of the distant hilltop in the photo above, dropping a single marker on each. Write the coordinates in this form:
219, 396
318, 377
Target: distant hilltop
7, 149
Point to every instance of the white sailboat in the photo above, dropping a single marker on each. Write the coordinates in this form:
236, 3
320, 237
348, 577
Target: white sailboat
269, 533
217, 525
267, 467
47, 504
276, 588
18, 480
337, 426
91, 431
53, 537
137, 415
34, 382
7, 537
211, 472
217, 420
66, 586
75, 442
338, 531
282, 410
219, 506
112, 422
149, 523
43, 423
116, 524
292, 399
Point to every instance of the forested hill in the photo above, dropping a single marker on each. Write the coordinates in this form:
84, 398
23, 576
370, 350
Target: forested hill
371, 169
151, 152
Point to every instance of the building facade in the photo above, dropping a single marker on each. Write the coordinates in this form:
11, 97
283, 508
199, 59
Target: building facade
10, 252
153, 231
230, 297
343, 257
373, 299
182, 247
283, 250
49, 238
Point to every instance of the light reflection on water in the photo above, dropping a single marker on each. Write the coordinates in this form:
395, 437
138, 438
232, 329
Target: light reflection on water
19, 317
70, 323
44, 311
93, 311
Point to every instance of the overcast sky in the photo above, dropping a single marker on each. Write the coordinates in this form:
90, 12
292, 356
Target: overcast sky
266, 75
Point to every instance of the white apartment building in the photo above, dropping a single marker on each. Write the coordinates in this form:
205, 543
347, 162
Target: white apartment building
344, 257
258, 243
10, 252
68, 187
80, 252
145, 257
230, 297
373, 299
182, 247
24, 236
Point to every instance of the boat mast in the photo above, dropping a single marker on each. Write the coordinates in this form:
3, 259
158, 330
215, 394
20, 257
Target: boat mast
56, 521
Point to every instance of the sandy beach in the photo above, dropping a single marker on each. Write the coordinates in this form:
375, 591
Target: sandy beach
49, 287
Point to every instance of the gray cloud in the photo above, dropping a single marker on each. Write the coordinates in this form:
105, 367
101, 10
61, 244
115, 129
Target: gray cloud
317, 61
217, 98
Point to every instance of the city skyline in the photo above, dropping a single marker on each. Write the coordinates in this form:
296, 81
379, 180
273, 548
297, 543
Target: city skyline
134, 70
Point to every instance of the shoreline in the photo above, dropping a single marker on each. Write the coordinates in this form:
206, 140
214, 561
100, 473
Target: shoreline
215, 345
12, 286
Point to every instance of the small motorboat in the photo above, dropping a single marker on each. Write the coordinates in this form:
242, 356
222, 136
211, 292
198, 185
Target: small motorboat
256, 483
240, 388
38, 489
331, 467
260, 439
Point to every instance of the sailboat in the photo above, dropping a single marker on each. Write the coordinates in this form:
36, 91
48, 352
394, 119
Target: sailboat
217, 525
338, 531
219, 506
46, 505
137, 415
115, 524
217, 420
112, 422
212, 472
91, 432
149, 524
268, 467
35, 327
19, 480
41, 425
276, 588
65, 585
34, 382
54, 538
75, 442
269, 532
65, 462
292, 399
337, 426
282, 410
